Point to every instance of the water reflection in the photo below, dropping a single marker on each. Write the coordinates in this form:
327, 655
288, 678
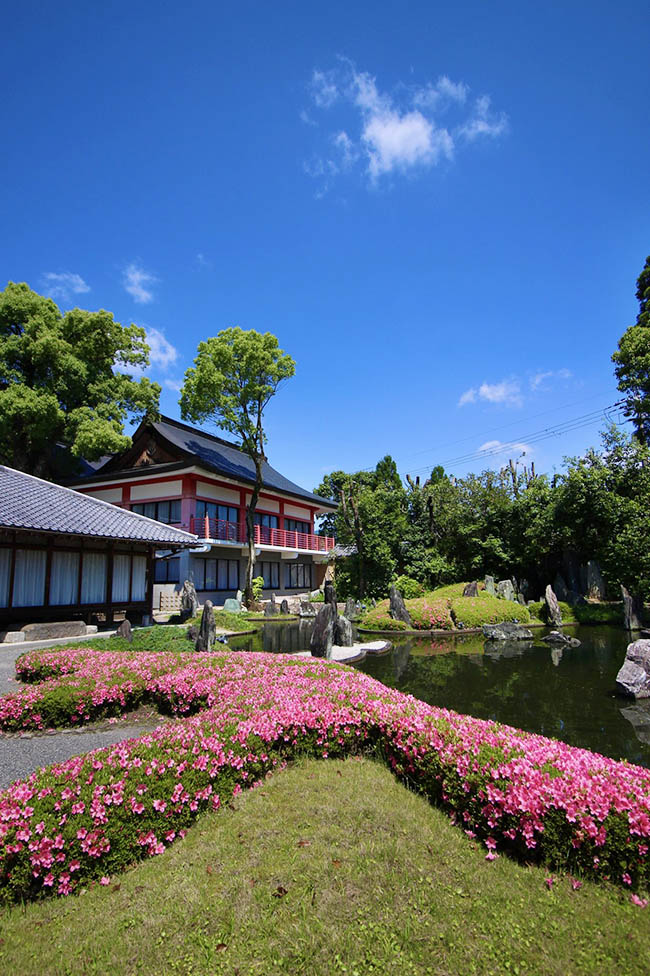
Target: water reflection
564, 693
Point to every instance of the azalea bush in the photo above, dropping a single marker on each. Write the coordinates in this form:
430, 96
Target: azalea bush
239, 716
474, 611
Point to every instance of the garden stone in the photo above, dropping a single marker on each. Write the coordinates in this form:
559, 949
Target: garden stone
271, 609
307, 609
555, 637
560, 588
124, 630
189, 601
284, 607
57, 628
595, 581
398, 609
351, 608
521, 599
322, 635
273, 598
330, 593
634, 676
471, 589
554, 612
632, 610
489, 586
506, 631
639, 717
240, 597
192, 633
343, 632
506, 590
232, 606
208, 629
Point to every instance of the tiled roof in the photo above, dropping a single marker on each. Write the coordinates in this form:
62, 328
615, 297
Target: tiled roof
29, 503
220, 457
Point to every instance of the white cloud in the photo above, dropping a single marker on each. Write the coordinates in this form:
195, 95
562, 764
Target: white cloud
161, 351
392, 133
541, 379
507, 392
175, 385
63, 284
135, 280
499, 447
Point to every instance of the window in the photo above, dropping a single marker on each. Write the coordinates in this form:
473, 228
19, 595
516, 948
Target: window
168, 570
129, 578
29, 578
270, 572
216, 574
298, 576
93, 577
268, 521
295, 525
64, 578
224, 513
167, 512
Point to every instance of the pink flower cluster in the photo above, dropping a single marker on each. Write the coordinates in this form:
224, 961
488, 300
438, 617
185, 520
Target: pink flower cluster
241, 715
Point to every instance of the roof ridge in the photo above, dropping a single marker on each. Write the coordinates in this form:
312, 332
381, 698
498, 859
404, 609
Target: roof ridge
198, 430
90, 498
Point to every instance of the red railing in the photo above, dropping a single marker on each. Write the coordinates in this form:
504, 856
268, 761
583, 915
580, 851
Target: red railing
209, 528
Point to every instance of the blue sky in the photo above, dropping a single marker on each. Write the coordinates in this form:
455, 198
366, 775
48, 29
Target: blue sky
440, 210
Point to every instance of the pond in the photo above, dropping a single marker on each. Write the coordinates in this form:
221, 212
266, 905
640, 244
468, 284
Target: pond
567, 695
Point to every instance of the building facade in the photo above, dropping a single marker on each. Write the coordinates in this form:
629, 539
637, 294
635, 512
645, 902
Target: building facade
64, 556
202, 484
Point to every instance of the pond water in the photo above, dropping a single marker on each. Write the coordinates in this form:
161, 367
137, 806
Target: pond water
567, 694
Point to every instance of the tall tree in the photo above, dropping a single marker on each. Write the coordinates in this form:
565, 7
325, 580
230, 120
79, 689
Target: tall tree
632, 360
65, 379
234, 376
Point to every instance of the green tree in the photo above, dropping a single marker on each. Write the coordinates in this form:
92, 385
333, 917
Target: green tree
632, 360
234, 376
64, 379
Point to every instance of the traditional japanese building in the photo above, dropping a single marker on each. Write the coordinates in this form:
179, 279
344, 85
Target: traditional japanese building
64, 555
202, 484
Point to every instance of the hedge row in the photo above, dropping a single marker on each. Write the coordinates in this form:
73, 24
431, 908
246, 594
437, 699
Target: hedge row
241, 715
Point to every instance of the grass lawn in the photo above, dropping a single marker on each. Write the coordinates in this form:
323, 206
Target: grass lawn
166, 637
329, 867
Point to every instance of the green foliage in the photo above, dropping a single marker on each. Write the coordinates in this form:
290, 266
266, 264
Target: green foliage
582, 613
408, 587
66, 378
474, 611
258, 586
632, 359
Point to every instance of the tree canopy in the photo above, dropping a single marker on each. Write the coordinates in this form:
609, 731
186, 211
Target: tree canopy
234, 376
632, 359
65, 379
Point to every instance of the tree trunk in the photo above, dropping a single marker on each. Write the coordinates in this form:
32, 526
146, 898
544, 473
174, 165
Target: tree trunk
250, 527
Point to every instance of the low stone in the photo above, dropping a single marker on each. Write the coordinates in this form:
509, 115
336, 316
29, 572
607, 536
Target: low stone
124, 630
554, 612
232, 606
632, 610
471, 589
505, 590
284, 607
555, 637
307, 609
489, 586
192, 633
11, 636
91, 629
343, 632
595, 581
397, 608
208, 628
50, 631
322, 635
506, 631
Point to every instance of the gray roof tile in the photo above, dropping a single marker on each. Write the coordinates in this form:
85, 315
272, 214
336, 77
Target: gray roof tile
30, 503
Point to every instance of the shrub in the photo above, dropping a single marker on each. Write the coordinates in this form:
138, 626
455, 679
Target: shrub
426, 614
94, 815
409, 588
258, 586
539, 611
378, 618
474, 611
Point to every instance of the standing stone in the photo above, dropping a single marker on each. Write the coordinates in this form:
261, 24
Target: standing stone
595, 581
322, 635
506, 590
632, 610
521, 599
124, 630
232, 606
560, 588
189, 600
240, 597
284, 607
208, 628
634, 676
471, 589
489, 586
343, 632
350, 608
330, 593
273, 598
554, 612
271, 609
398, 609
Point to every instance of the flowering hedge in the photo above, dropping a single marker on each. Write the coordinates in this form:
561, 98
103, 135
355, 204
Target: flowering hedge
427, 613
474, 611
241, 715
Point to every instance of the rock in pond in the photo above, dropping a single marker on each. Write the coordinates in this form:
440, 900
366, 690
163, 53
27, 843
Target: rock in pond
506, 631
343, 632
555, 637
554, 612
634, 677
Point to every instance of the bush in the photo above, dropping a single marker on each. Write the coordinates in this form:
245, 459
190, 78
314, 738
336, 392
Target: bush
258, 586
409, 588
426, 614
91, 816
539, 611
378, 618
474, 611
